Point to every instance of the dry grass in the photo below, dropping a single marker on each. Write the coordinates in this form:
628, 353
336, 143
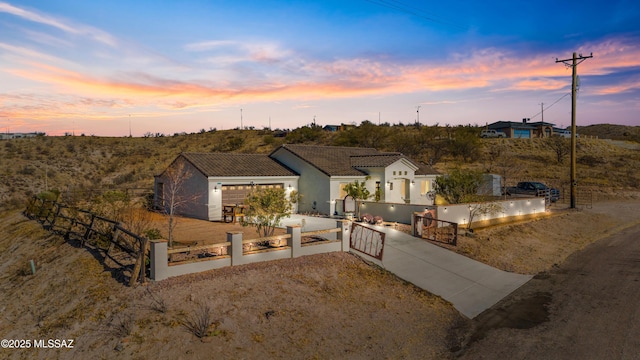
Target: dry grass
76, 165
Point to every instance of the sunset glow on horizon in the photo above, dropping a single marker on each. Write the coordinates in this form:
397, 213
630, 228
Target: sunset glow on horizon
98, 68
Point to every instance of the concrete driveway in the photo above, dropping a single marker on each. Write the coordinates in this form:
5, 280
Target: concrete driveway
469, 285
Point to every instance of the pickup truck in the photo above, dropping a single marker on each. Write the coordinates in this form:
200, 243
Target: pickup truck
492, 134
534, 188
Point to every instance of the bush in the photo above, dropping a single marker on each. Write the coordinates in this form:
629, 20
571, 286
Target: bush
153, 234
199, 322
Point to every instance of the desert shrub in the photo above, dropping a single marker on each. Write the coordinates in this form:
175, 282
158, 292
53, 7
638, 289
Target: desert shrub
304, 134
122, 325
51, 195
124, 178
268, 139
153, 234
589, 160
27, 170
157, 302
234, 143
199, 322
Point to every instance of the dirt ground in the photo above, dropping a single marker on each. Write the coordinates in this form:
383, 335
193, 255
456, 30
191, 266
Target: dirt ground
586, 308
331, 305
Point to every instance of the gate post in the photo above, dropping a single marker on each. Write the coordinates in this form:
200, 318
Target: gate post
235, 238
343, 235
159, 260
294, 241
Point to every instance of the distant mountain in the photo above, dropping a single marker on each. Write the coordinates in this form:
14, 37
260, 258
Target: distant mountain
611, 131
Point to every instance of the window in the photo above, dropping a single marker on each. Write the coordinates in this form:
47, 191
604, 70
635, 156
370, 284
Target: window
425, 186
394, 173
342, 192
405, 172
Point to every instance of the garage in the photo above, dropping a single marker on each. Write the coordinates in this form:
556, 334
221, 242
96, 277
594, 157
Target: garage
521, 133
235, 194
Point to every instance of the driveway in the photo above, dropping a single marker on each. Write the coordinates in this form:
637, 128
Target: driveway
469, 285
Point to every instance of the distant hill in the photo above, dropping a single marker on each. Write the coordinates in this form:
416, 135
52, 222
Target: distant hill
83, 166
611, 131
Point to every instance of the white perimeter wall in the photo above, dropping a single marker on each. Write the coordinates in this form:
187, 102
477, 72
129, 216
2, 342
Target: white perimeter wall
459, 213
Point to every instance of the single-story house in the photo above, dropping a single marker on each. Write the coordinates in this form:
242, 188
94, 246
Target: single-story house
317, 173
8, 136
524, 129
209, 180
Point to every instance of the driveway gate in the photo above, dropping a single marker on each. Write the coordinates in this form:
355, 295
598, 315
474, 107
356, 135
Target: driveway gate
367, 240
428, 227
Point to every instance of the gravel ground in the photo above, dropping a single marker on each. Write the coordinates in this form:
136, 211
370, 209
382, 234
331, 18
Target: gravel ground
582, 302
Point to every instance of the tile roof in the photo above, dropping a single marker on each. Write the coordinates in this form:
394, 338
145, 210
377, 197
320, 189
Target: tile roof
231, 164
331, 160
345, 161
424, 169
380, 160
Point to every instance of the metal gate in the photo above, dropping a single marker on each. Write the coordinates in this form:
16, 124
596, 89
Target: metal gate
430, 228
367, 240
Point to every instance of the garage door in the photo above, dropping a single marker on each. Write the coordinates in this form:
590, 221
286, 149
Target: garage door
235, 194
522, 134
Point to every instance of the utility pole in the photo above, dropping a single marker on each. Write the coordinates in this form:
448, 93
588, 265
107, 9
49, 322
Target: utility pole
542, 110
418, 114
573, 63
241, 127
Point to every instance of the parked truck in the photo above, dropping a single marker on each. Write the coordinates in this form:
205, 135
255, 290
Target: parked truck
533, 188
492, 134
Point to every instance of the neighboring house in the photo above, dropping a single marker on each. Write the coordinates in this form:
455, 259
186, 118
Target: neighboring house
318, 173
331, 128
334, 128
524, 129
7, 136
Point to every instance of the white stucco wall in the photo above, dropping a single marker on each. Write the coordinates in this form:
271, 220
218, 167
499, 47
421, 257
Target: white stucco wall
459, 213
313, 185
393, 186
336, 183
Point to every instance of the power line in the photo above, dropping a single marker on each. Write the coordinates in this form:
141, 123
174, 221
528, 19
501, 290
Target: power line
547, 108
397, 5
573, 62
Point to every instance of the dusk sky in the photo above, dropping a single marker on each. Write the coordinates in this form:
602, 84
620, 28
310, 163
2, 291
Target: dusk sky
101, 67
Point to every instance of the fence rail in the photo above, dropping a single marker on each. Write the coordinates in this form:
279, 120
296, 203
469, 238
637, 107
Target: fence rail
236, 252
100, 233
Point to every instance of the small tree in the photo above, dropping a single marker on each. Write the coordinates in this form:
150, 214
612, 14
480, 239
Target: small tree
459, 186
174, 196
358, 191
479, 209
560, 146
265, 209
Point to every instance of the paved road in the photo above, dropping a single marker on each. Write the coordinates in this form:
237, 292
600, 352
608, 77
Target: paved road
588, 308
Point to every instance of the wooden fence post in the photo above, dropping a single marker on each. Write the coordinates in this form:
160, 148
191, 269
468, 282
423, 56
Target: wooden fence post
139, 268
114, 238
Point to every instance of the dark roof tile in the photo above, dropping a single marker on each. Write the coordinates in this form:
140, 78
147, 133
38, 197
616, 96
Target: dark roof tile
231, 164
